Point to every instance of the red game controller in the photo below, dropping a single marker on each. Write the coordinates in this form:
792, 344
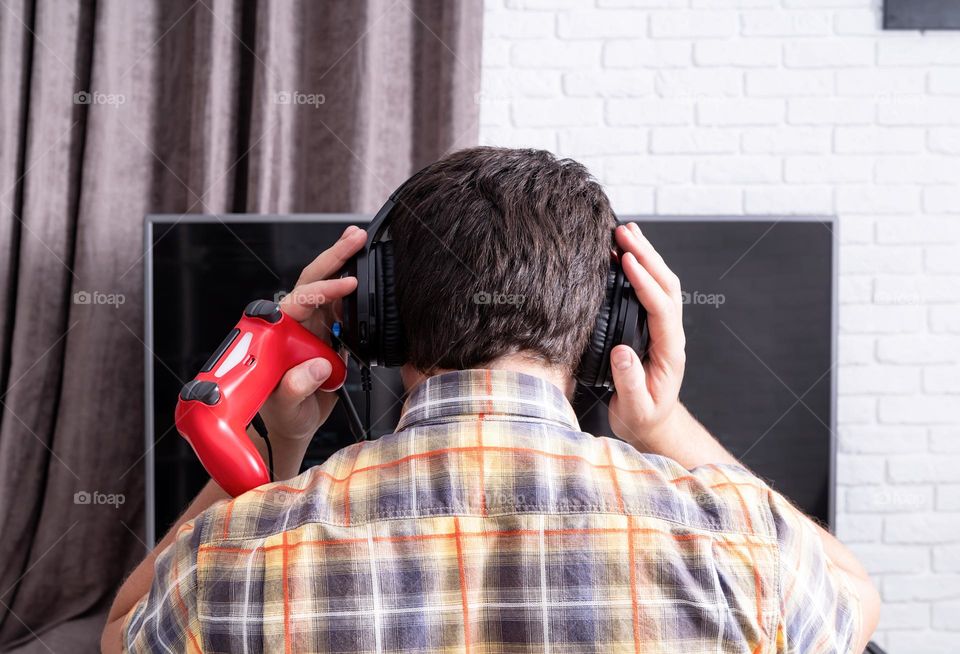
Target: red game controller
215, 408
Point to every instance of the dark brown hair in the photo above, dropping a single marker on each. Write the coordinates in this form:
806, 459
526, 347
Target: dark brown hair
500, 251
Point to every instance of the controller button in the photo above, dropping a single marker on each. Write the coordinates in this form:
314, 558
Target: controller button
265, 310
212, 361
203, 391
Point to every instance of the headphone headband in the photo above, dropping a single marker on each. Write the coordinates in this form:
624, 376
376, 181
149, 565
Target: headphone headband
380, 222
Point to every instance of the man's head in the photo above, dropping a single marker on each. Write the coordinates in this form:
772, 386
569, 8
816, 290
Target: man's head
500, 252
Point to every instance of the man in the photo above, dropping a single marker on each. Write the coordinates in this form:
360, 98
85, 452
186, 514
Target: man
488, 521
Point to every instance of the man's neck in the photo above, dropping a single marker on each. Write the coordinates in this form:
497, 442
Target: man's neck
515, 362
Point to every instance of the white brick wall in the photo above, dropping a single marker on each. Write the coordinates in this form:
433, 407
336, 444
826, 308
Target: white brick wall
799, 106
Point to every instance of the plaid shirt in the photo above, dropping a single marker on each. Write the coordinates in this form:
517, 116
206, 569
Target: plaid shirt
490, 523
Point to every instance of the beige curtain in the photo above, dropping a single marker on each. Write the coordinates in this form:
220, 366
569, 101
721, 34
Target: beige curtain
113, 109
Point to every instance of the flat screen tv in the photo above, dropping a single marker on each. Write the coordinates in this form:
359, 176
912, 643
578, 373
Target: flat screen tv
760, 321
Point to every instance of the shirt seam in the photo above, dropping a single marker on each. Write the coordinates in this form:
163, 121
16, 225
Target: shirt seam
426, 421
586, 510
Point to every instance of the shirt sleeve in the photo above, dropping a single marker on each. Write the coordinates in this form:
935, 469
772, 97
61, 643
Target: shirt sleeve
166, 619
819, 608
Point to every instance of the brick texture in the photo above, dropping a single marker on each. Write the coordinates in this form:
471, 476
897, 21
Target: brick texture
790, 106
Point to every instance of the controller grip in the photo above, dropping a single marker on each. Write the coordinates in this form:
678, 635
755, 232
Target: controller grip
230, 457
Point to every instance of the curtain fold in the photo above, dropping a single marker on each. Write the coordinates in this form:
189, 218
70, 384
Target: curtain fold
112, 110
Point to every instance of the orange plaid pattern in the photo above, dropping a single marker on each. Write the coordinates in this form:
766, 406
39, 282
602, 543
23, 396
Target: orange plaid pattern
490, 523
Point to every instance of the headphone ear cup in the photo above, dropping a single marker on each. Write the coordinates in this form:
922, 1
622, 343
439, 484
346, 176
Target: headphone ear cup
595, 363
392, 340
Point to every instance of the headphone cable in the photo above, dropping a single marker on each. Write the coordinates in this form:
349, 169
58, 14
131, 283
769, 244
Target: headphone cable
353, 418
366, 383
261, 428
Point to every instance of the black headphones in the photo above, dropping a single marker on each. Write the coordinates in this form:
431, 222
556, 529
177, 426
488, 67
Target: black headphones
372, 332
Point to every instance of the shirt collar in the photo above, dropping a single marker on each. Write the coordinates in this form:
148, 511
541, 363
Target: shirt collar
464, 395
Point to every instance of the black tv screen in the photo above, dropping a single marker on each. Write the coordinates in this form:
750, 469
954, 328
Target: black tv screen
760, 322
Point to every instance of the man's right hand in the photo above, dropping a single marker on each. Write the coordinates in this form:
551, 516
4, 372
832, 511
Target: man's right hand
645, 410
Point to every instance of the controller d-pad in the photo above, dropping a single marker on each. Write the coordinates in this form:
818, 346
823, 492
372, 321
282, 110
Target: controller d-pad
265, 310
204, 391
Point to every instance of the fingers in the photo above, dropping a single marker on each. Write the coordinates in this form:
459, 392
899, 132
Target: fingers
653, 298
333, 258
299, 383
645, 391
631, 239
658, 290
302, 301
628, 375
632, 403
664, 319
